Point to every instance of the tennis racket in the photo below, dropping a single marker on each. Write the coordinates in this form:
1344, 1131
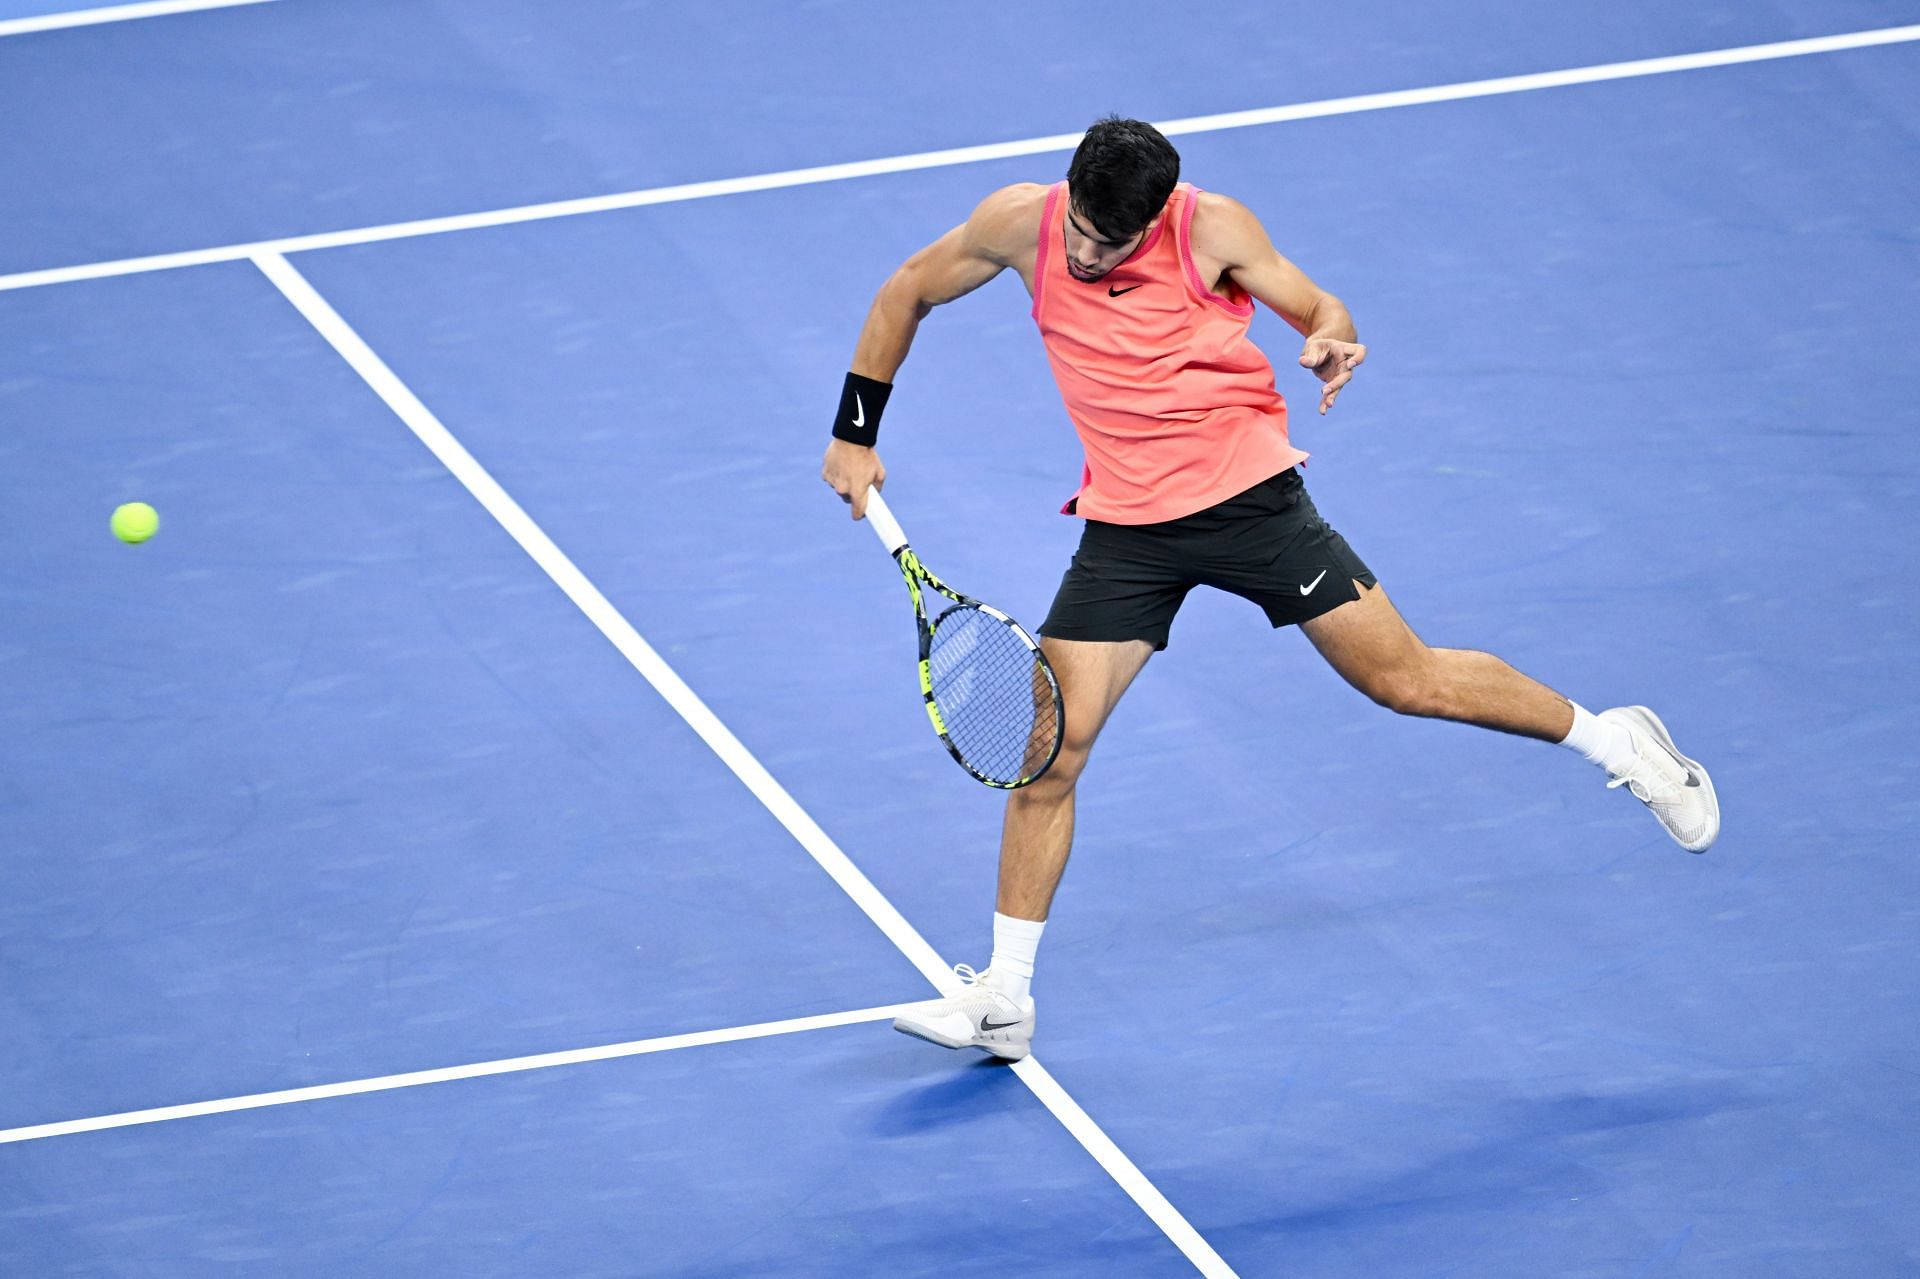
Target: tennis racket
990, 693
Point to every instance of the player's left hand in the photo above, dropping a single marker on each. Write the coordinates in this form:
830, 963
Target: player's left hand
1333, 362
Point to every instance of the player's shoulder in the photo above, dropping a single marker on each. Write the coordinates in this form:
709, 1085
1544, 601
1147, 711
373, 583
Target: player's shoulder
1223, 227
1016, 200
1008, 220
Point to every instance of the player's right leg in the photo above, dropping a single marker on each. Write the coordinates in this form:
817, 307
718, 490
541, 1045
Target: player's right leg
1114, 610
1035, 839
1037, 833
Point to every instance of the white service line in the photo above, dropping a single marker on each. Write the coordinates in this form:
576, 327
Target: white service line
114, 13
420, 419
445, 1074
958, 155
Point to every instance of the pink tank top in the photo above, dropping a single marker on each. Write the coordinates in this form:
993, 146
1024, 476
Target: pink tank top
1175, 406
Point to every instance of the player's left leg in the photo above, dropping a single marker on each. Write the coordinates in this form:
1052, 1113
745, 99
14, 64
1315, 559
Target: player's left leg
1374, 649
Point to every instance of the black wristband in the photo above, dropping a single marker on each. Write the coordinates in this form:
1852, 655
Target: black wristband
861, 401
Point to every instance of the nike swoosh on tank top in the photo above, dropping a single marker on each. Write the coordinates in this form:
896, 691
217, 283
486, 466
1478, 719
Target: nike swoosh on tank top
1174, 404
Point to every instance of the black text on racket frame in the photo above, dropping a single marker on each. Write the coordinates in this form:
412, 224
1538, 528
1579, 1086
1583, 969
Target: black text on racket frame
990, 692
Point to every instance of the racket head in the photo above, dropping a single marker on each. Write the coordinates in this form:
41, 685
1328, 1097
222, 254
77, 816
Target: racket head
993, 696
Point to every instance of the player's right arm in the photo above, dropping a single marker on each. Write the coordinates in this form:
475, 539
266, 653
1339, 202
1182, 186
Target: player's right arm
951, 267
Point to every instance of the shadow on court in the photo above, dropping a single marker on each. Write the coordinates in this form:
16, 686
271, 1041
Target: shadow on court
963, 1096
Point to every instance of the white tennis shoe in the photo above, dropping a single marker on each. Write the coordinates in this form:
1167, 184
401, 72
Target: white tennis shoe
1676, 788
977, 1017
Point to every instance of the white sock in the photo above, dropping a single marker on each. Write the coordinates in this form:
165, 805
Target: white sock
1015, 942
1600, 741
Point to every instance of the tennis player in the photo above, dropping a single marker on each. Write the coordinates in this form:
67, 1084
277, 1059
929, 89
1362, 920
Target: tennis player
1143, 288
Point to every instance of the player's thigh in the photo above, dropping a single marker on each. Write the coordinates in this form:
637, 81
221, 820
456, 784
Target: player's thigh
1093, 675
1367, 641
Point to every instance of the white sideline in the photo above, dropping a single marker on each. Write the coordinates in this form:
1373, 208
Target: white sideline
112, 13
421, 420
445, 1074
551, 559
958, 155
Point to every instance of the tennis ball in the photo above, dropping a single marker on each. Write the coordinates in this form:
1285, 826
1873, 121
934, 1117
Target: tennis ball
135, 522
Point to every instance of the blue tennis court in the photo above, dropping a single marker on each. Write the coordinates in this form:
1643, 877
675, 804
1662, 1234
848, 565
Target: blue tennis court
487, 830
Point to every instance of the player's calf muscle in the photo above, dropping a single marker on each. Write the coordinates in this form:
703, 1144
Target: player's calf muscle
1472, 687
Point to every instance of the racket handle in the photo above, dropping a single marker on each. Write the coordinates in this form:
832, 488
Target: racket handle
885, 527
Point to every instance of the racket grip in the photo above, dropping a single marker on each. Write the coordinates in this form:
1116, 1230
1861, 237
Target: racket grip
885, 527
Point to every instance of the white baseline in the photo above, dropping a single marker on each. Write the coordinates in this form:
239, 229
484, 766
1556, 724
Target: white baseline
445, 1074
962, 155
534, 540
113, 13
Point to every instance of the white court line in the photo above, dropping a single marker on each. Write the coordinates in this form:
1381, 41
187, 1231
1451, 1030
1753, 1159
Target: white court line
520, 526
446, 1074
532, 539
114, 13
959, 155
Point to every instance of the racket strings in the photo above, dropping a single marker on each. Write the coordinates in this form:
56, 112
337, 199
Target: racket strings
994, 695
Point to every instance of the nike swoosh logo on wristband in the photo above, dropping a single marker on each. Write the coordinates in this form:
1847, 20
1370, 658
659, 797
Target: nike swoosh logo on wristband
860, 411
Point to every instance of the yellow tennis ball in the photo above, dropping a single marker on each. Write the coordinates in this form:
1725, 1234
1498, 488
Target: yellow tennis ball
135, 522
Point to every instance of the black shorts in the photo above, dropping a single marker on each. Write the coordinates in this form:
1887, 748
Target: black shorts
1268, 545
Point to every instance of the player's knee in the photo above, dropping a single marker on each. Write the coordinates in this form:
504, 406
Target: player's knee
1411, 689
1064, 772
1071, 762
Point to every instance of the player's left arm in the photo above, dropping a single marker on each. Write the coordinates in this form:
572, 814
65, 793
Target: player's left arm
1226, 231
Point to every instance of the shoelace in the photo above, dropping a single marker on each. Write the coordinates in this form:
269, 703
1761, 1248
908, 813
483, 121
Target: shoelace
978, 981
1648, 779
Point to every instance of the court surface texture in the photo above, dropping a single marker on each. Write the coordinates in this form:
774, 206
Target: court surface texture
485, 832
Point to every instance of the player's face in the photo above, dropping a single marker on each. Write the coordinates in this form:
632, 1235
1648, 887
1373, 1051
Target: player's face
1090, 254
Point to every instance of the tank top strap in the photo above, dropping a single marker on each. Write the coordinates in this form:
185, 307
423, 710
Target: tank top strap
1237, 303
1052, 217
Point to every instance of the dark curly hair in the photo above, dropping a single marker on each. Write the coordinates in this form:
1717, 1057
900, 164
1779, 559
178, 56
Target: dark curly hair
1121, 175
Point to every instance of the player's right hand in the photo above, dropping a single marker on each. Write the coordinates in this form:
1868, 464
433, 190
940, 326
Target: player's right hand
850, 470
